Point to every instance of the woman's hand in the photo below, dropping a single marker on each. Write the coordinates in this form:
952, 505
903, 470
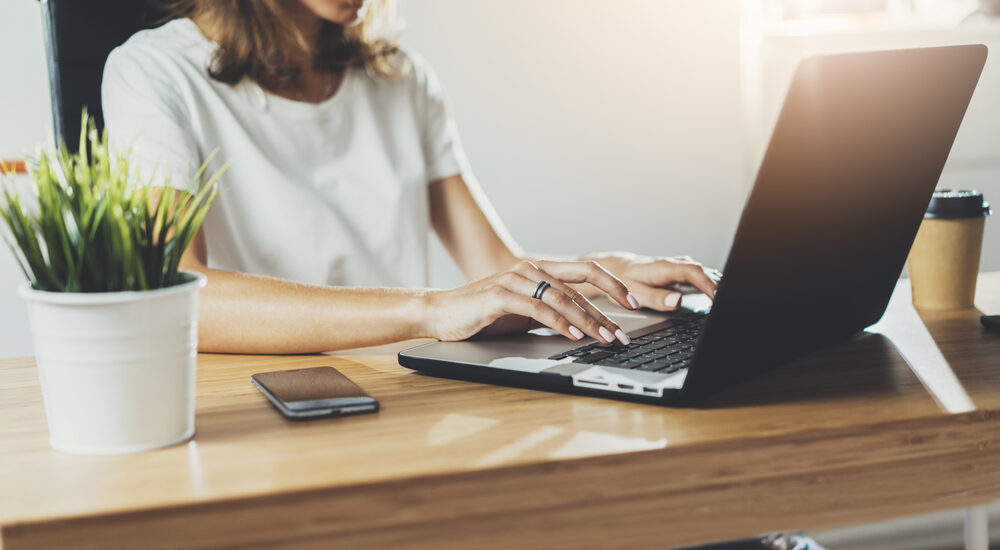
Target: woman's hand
503, 303
649, 278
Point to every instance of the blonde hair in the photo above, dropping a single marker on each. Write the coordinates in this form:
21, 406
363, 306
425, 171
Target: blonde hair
258, 39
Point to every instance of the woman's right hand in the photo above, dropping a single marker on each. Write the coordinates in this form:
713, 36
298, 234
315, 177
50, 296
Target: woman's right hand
503, 303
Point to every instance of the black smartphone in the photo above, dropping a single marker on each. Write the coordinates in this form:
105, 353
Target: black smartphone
314, 392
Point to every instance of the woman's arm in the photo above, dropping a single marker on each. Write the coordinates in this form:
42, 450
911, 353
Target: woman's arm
241, 313
473, 233
470, 229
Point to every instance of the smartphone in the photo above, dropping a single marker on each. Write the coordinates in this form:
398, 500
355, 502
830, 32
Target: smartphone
315, 392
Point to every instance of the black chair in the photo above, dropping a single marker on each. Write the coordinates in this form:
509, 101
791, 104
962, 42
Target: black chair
79, 35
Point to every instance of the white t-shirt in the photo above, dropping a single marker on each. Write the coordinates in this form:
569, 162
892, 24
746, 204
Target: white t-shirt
333, 193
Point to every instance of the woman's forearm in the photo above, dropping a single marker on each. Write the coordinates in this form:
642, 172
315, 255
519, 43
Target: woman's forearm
243, 313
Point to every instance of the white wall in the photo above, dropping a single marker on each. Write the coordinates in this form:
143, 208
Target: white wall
25, 121
596, 125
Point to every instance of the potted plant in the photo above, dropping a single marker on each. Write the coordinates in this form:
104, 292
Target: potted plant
114, 320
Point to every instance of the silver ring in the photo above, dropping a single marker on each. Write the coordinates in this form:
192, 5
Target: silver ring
540, 289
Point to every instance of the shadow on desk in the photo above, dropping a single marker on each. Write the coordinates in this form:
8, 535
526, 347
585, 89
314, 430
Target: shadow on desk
867, 365
946, 355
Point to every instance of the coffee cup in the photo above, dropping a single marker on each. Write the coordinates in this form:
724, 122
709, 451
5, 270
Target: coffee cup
944, 259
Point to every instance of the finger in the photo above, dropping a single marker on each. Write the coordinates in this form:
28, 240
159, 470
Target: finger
607, 330
695, 274
580, 311
660, 299
510, 302
593, 273
562, 299
668, 271
703, 278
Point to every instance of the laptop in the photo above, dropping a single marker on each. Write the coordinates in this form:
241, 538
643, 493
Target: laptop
855, 155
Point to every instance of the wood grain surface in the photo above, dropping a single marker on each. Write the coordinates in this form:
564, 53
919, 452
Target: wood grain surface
900, 421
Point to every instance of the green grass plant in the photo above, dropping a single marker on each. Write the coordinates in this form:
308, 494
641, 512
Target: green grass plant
92, 224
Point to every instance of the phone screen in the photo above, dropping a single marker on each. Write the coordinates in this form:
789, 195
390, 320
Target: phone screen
312, 392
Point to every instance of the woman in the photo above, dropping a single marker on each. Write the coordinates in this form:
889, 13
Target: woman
343, 154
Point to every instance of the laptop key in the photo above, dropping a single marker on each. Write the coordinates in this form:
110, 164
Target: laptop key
657, 365
594, 357
647, 367
613, 345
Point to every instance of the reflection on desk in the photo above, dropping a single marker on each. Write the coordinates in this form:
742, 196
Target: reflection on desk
899, 421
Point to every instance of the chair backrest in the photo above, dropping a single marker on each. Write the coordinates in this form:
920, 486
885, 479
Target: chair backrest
79, 35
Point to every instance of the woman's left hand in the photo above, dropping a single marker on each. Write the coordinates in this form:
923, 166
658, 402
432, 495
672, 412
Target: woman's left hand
648, 277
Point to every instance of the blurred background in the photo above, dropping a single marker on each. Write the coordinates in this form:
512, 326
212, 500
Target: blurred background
632, 125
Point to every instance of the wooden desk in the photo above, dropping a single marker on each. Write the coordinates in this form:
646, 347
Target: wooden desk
851, 434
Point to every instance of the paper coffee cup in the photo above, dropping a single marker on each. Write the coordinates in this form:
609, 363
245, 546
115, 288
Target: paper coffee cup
944, 259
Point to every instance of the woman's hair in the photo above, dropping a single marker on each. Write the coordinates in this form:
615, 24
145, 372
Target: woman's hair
259, 40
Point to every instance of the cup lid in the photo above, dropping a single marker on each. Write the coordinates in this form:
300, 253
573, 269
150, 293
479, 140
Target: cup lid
952, 204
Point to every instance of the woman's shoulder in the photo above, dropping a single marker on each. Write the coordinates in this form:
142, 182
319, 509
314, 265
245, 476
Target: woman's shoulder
412, 75
177, 44
153, 68
414, 66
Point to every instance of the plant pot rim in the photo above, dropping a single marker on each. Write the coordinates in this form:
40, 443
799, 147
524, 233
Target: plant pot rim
194, 279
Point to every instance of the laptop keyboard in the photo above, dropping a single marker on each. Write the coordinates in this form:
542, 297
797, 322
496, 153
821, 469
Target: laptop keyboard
666, 350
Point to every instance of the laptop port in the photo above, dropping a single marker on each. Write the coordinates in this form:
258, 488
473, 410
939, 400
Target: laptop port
625, 386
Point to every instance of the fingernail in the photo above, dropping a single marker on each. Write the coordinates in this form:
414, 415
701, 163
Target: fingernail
577, 333
632, 301
606, 334
622, 337
672, 300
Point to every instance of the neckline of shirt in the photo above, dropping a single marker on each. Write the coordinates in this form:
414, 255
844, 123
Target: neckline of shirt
269, 100
264, 100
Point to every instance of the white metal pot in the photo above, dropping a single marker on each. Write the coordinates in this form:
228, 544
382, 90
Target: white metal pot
117, 369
